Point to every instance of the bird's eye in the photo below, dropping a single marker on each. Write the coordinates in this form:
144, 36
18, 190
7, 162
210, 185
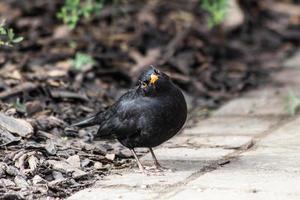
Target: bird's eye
143, 84
156, 71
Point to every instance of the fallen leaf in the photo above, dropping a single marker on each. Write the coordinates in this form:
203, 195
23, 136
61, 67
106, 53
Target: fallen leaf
20, 181
74, 161
62, 31
6, 182
33, 163
50, 147
18, 126
33, 107
6, 137
38, 180
57, 73
11, 170
67, 168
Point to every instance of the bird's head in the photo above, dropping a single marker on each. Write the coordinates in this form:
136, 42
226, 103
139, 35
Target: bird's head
154, 81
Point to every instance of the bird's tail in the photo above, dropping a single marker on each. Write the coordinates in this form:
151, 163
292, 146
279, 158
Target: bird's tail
91, 121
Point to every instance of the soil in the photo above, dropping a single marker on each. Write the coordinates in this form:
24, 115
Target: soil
39, 83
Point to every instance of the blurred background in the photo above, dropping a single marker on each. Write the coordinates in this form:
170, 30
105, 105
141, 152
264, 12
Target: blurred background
62, 60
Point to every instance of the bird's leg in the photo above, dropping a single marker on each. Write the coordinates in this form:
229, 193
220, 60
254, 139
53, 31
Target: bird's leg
156, 163
138, 161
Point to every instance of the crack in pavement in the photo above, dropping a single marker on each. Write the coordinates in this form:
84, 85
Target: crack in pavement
178, 187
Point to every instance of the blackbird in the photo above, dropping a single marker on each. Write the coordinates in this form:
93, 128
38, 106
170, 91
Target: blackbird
145, 116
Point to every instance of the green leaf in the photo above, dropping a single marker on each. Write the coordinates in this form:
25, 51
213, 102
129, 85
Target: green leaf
81, 61
18, 39
10, 34
217, 10
73, 10
3, 31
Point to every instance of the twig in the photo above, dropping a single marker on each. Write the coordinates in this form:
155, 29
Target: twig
25, 87
68, 95
173, 45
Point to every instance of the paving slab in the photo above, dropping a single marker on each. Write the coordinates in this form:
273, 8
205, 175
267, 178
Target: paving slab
261, 172
268, 171
274, 91
232, 194
290, 132
257, 175
287, 77
232, 125
183, 161
113, 193
226, 142
135, 179
257, 106
186, 159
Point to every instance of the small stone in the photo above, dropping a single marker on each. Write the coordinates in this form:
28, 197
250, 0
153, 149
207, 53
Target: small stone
144, 186
38, 180
74, 161
98, 165
57, 175
85, 162
110, 156
107, 166
67, 168
78, 174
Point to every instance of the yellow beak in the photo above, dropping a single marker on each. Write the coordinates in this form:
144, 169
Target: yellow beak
153, 78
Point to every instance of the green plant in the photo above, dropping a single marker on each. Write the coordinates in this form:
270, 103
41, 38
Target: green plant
73, 10
292, 103
217, 10
7, 36
82, 61
20, 106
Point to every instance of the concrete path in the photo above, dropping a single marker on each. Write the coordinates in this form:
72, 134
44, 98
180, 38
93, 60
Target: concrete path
248, 149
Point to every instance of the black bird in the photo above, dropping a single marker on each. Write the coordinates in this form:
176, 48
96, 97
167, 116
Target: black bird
146, 116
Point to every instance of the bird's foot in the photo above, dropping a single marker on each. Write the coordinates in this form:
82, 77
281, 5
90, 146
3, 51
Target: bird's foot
160, 168
151, 171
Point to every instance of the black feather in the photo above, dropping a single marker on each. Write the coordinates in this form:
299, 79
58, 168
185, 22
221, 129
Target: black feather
90, 121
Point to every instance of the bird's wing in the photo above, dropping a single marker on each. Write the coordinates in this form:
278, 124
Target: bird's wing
123, 119
99, 117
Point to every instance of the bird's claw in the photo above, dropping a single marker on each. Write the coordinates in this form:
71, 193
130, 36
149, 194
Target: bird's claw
160, 168
153, 171
156, 170
163, 169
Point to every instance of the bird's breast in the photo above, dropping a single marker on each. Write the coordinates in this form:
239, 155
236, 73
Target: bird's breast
167, 114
